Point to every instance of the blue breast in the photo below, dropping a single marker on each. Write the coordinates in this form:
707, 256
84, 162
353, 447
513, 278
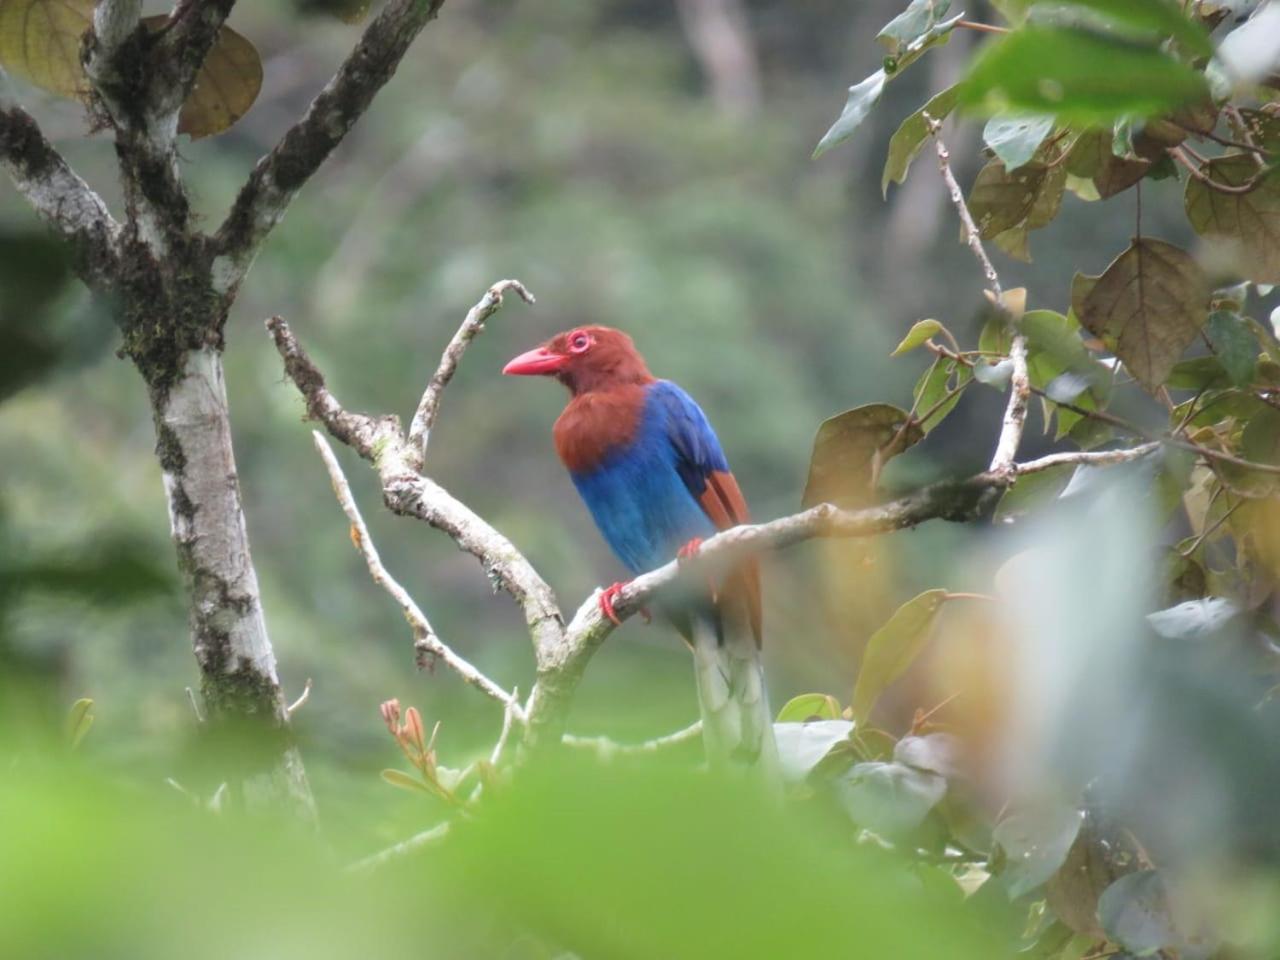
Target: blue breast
638, 497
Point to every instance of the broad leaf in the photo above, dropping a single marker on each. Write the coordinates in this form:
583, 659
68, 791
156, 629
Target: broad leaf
809, 706
1160, 18
1249, 223
1001, 199
862, 97
1093, 158
936, 753
911, 24
907, 140
1148, 307
1036, 843
920, 331
890, 798
938, 391
1102, 852
1134, 912
1078, 75
893, 648
1233, 344
1015, 139
801, 746
226, 86
851, 448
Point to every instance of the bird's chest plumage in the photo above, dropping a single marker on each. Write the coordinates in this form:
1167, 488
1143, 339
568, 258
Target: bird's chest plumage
620, 456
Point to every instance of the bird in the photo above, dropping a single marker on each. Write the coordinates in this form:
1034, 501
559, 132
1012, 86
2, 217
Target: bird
651, 472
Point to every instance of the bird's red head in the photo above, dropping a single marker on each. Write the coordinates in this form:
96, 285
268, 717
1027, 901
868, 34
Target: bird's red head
584, 359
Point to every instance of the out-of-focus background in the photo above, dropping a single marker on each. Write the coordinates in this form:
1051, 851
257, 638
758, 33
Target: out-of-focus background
637, 164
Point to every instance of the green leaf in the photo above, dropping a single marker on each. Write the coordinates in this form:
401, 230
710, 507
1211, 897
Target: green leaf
1148, 307
1031, 491
1134, 913
916, 21
862, 97
1078, 76
920, 331
1233, 344
1160, 17
1001, 199
79, 720
802, 746
907, 140
851, 448
1036, 843
1248, 224
1015, 139
809, 706
1092, 158
893, 648
931, 390
889, 798
1015, 242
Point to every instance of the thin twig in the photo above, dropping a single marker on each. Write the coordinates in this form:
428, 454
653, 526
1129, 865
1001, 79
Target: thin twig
428, 408
425, 638
301, 701
981, 27
1096, 458
1224, 141
607, 749
420, 841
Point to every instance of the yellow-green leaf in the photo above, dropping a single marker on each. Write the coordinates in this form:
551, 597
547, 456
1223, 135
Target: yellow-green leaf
40, 42
79, 720
920, 331
850, 449
809, 706
893, 648
398, 778
907, 140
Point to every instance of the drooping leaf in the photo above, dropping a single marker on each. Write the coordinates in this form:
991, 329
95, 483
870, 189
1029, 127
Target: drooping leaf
907, 140
911, 24
226, 86
1093, 159
1233, 344
1036, 842
1134, 912
1015, 139
937, 391
1079, 76
920, 331
1001, 199
40, 42
935, 752
809, 706
862, 97
801, 746
1148, 307
890, 798
893, 648
850, 450
1248, 223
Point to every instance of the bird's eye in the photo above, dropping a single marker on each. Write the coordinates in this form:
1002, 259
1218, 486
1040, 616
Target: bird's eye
579, 342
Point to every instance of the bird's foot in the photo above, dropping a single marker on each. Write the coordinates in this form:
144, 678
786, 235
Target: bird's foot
607, 598
689, 550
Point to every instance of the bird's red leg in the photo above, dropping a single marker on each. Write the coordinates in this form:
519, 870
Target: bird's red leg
690, 549
607, 596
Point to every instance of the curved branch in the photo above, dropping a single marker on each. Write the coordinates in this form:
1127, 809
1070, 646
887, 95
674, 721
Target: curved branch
429, 406
279, 175
59, 196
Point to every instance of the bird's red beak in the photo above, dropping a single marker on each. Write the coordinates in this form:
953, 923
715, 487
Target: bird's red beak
536, 362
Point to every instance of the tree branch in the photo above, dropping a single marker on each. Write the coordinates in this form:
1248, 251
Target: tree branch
426, 641
1015, 414
279, 175
1095, 458
428, 408
606, 748
185, 42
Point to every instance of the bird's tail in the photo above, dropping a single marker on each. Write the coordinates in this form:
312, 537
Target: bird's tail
737, 726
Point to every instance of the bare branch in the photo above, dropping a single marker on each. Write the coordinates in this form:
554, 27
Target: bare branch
606, 748
400, 850
113, 21
58, 195
425, 417
425, 638
301, 701
185, 42
279, 175
1015, 414
1095, 458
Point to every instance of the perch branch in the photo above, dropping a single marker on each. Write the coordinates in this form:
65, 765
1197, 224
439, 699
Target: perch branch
277, 177
426, 641
428, 408
606, 748
1097, 458
58, 195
